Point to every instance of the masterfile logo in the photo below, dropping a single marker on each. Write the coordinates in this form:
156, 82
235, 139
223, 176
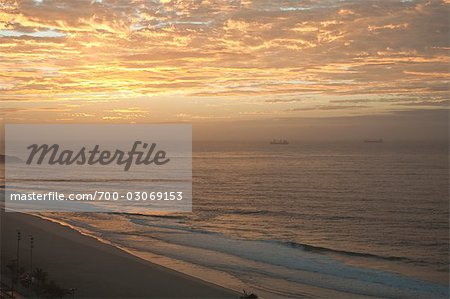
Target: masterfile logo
148, 155
91, 168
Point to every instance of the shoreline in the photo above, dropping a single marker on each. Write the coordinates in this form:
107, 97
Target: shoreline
204, 274
95, 268
140, 244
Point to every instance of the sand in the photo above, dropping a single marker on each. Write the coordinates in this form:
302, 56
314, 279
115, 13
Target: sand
95, 269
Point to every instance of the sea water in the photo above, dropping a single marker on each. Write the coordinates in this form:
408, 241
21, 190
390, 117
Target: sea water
314, 219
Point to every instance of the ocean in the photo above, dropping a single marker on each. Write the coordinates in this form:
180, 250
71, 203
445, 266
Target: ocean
308, 219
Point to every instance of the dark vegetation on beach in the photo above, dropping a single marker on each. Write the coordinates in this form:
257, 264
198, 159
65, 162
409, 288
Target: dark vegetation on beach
32, 283
248, 296
36, 284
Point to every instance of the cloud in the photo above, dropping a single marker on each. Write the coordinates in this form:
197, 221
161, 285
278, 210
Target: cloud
327, 107
438, 103
109, 50
277, 100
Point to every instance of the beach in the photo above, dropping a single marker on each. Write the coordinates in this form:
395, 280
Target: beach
95, 269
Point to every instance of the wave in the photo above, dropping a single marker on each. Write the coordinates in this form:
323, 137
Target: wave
157, 216
279, 213
319, 249
98, 180
248, 212
290, 244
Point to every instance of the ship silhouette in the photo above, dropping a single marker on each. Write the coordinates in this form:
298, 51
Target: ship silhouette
279, 141
373, 140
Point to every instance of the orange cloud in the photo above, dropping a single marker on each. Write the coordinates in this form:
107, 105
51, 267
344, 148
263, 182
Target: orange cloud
64, 52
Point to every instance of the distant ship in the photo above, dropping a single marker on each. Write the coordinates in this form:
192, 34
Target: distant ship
373, 140
279, 141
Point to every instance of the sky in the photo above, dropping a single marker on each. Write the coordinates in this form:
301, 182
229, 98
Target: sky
240, 63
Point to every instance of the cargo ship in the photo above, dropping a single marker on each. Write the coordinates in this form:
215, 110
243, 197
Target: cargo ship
279, 141
373, 140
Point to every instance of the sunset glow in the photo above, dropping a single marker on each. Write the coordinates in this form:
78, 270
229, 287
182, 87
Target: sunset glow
141, 61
